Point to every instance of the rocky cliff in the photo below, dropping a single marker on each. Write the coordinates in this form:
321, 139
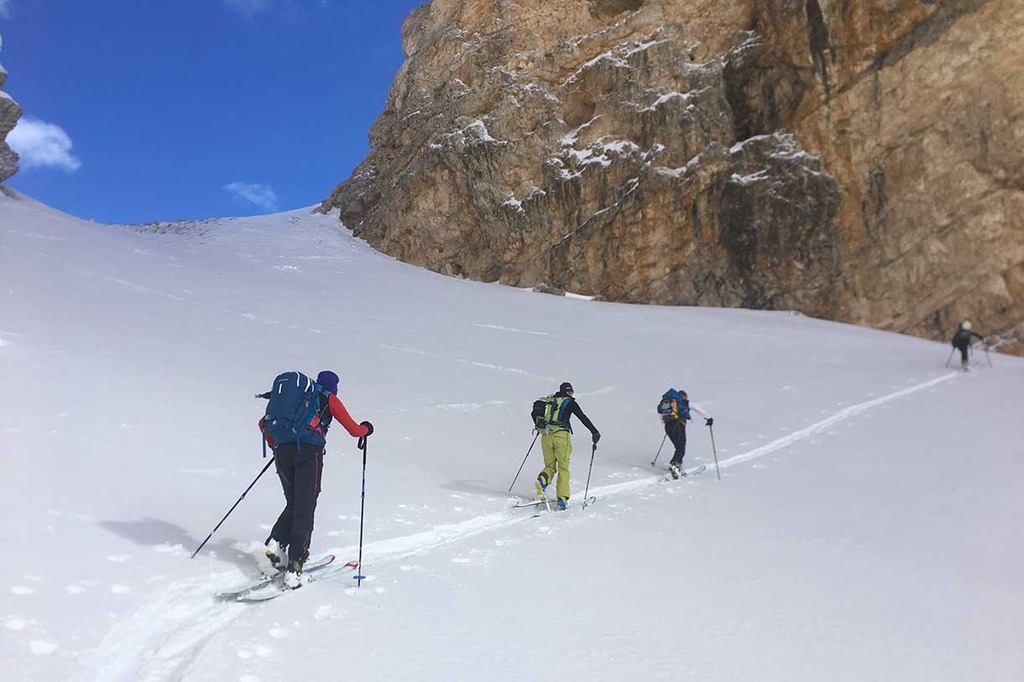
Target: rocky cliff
859, 160
10, 112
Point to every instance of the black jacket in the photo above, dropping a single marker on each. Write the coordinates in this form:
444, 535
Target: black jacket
962, 338
574, 409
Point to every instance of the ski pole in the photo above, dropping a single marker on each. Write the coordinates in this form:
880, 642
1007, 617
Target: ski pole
524, 462
586, 492
950, 357
358, 577
659, 450
989, 357
717, 470
233, 508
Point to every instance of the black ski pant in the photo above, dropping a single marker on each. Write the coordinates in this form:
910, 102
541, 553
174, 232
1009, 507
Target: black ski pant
963, 351
299, 467
675, 429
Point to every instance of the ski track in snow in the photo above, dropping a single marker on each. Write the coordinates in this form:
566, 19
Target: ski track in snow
164, 638
512, 329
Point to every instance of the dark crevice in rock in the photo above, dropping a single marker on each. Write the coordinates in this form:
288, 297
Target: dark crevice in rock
926, 33
763, 92
818, 40
875, 205
603, 10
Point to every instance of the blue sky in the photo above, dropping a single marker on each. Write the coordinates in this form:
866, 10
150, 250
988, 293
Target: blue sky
139, 110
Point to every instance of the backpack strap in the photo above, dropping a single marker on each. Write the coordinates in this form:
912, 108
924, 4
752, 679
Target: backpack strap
556, 413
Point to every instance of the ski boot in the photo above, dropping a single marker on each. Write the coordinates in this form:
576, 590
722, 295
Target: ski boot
675, 470
295, 578
277, 554
541, 485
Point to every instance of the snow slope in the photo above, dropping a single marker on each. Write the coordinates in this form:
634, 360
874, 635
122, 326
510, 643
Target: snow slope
867, 524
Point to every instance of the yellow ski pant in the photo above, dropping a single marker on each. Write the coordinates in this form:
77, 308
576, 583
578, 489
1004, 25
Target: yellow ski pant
557, 449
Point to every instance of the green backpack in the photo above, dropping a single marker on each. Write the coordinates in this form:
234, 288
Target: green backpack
551, 414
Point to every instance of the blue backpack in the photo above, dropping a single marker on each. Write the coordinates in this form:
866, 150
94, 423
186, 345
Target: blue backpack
674, 405
293, 413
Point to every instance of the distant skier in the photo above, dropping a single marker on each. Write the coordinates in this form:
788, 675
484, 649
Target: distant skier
675, 410
300, 463
551, 417
962, 341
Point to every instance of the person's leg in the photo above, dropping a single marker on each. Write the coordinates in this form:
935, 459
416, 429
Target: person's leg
548, 472
676, 431
284, 461
306, 489
562, 448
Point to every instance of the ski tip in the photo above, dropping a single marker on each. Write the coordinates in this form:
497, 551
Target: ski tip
352, 564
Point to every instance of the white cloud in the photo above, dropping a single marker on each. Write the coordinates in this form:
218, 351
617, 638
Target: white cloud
255, 193
42, 145
5, 8
247, 8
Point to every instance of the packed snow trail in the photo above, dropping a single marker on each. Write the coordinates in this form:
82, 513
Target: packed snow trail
796, 436
161, 640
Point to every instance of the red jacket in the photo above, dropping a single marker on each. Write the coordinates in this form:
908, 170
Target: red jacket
339, 412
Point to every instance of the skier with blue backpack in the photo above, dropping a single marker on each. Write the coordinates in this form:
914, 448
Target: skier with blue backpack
675, 410
299, 413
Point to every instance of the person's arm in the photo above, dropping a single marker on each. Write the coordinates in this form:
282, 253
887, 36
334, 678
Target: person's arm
339, 412
575, 409
708, 421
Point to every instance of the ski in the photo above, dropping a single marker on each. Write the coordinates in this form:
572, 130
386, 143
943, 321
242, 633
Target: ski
277, 577
276, 589
683, 473
692, 471
534, 503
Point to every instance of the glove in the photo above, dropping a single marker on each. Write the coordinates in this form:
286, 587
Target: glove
369, 427
597, 437
709, 421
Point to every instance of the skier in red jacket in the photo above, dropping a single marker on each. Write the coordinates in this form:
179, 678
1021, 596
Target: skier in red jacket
300, 466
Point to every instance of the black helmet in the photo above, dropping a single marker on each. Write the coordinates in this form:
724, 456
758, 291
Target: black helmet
566, 387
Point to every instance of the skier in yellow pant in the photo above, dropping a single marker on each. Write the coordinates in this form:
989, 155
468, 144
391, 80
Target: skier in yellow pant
555, 442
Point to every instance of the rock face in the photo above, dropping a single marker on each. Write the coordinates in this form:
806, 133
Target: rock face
10, 112
860, 160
